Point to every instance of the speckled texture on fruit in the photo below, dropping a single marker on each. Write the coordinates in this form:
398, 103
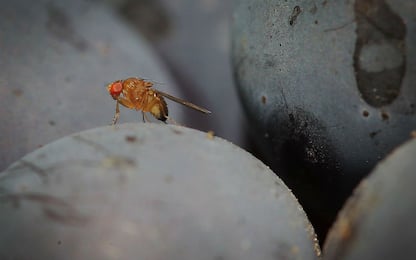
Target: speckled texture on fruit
148, 191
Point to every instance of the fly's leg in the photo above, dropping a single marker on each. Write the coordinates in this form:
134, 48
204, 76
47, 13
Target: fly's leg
117, 114
125, 102
145, 118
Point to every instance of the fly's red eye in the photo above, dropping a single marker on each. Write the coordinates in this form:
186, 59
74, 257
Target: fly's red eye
115, 89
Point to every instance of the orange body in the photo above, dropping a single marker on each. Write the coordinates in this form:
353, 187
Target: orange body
138, 94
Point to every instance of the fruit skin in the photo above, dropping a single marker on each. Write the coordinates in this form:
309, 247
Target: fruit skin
304, 72
377, 222
148, 191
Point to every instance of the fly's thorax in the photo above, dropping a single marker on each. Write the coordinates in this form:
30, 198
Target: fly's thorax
136, 96
137, 83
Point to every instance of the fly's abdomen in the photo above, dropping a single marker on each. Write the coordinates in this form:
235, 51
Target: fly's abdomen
159, 109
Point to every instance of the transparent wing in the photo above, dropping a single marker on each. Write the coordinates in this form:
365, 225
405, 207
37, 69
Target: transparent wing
183, 102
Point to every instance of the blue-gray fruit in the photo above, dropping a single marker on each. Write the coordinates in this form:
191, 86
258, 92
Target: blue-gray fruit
329, 90
147, 191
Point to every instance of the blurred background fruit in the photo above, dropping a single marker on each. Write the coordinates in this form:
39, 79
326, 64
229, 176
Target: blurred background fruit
55, 61
193, 39
377, 222
328, 87
57, 56
147, 191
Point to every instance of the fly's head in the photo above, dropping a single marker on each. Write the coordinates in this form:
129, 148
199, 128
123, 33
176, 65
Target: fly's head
115, 89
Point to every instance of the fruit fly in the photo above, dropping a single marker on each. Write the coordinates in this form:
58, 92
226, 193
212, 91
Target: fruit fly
139, 94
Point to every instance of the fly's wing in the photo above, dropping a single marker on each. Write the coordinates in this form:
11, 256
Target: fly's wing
183, 102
